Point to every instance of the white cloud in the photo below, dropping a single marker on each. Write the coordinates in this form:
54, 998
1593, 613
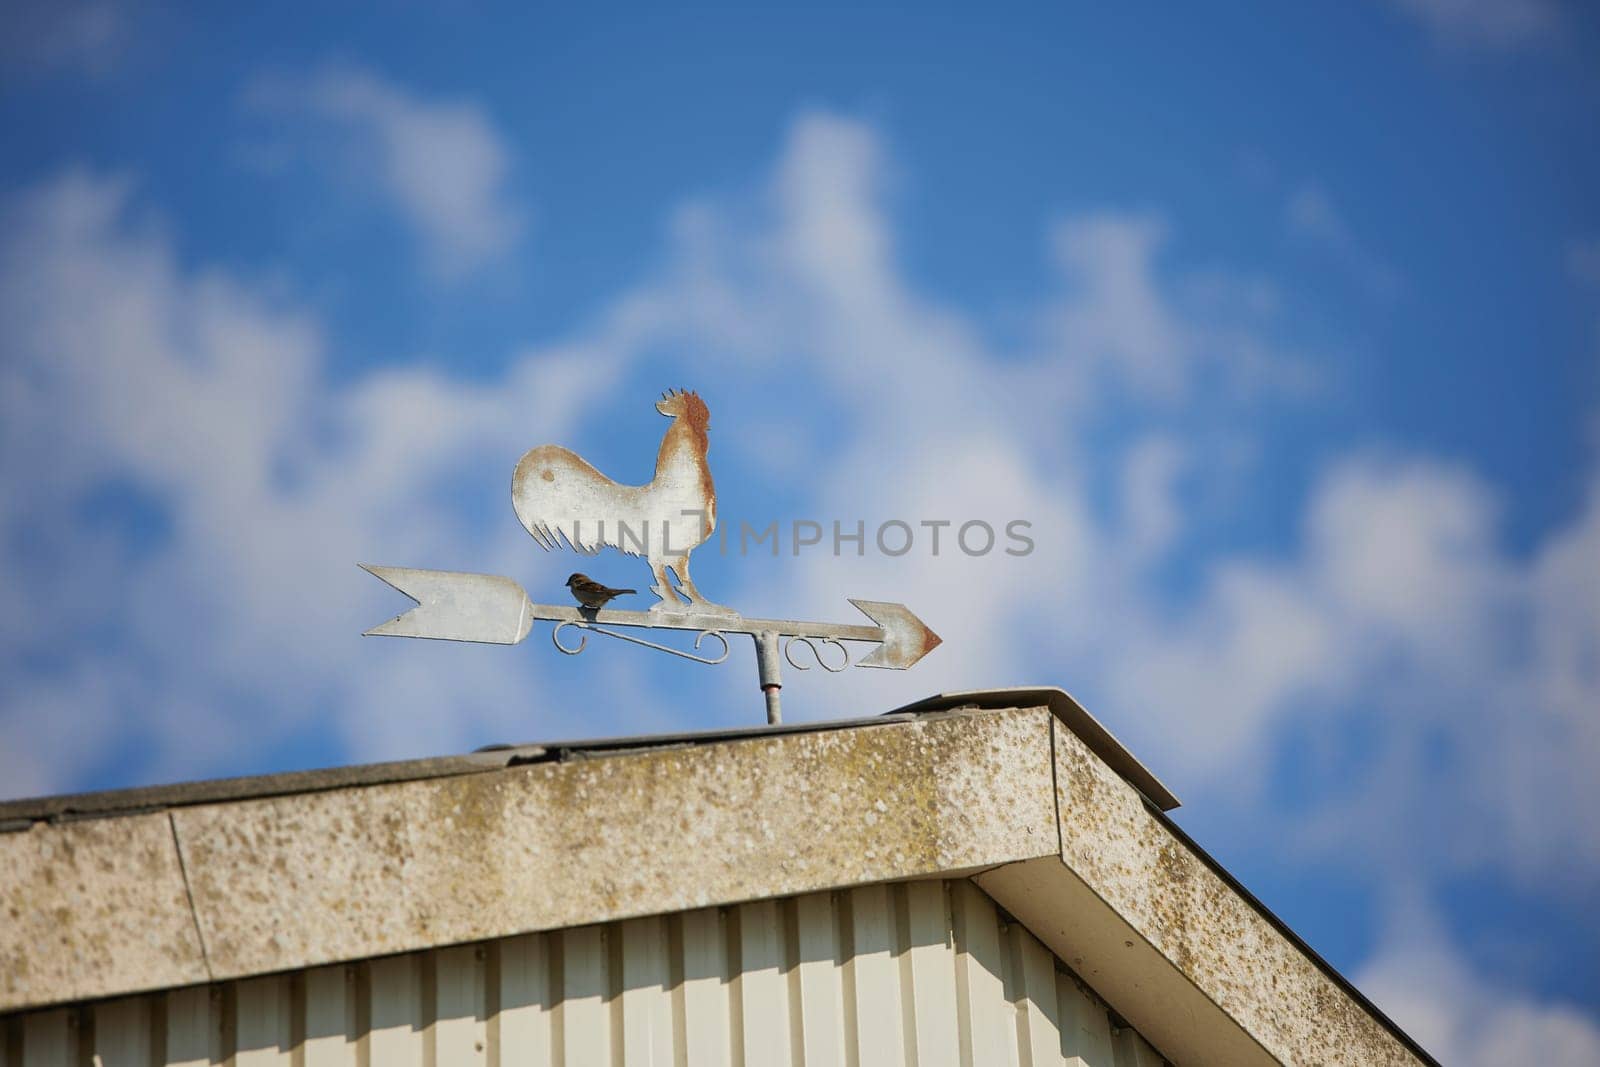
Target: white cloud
1403, 547
1312, 216
1152, 517
942, 425
442, 164
1400, 609
1485, 24
1204, 693
1460, 1013
1114, 316
224, 634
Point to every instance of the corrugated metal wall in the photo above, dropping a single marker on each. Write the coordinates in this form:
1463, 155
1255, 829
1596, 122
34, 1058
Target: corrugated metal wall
924, 973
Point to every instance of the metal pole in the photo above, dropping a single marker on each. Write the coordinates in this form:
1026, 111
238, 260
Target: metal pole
771, 680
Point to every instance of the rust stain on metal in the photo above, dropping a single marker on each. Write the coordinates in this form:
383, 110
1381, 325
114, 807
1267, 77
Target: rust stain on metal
906, 638
563, 501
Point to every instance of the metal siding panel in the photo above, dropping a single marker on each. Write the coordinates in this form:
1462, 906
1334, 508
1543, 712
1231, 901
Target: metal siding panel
460, 1029
706, 1013
924, 973
930, 961
1132, 1050
1085, 1030
520, 1030
194, 1026
763, 988
50, 1039
990, 1037
122, 1033
879, 1007
646, 994
585, 1020
262, 1028
326, 1022
394, 1031
821, 992
1033, 992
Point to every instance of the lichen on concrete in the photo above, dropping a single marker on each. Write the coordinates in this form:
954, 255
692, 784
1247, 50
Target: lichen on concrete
1202, 926
300, 880
90, 907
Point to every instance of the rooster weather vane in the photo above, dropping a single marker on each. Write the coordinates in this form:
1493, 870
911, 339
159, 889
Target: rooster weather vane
564, 502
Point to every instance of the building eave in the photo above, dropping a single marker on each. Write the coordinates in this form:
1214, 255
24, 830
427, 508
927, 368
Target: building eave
1009, 787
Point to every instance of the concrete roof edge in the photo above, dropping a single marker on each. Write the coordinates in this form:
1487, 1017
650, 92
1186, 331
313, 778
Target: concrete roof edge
1185, 916
1101, 741
18, 814
1287, 932
959, 782
238, 887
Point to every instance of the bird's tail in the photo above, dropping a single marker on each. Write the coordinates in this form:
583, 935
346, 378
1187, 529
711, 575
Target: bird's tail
621, 591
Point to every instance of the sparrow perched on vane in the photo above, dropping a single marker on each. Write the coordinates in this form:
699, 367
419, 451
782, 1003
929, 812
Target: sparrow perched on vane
591, 594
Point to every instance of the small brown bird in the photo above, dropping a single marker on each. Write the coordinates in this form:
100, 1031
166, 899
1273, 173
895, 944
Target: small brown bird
591, 594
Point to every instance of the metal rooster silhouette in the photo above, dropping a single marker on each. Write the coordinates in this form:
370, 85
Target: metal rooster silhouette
561, 499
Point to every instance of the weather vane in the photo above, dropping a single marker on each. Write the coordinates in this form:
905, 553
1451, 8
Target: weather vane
563, 501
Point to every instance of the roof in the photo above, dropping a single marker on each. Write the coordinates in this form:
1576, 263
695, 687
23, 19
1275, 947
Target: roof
114, 893
1088, 729
19, 814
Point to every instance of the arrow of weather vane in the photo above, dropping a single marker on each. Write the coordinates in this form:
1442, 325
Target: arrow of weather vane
565, 502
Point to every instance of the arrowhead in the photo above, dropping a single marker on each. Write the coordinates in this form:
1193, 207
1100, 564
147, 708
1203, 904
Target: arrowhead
906, 639
456, 606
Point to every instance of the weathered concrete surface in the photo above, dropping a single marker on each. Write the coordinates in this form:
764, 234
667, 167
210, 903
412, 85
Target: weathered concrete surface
99, 908
87, 907
301, 880
1143, 918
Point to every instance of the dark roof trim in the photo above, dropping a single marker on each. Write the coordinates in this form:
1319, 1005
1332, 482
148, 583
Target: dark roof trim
615, 745
17, 814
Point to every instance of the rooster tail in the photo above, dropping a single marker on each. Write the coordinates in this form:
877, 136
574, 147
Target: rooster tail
555, 539
560, 499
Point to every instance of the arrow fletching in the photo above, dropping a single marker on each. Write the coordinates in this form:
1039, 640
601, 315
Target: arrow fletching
456, 606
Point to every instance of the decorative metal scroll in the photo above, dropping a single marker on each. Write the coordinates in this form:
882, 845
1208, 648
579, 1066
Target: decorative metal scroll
816, 653
583, 640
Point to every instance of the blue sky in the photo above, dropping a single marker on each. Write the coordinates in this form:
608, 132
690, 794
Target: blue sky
1281, 324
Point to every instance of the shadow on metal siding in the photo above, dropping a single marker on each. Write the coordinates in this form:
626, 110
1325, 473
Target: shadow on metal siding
918, 973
